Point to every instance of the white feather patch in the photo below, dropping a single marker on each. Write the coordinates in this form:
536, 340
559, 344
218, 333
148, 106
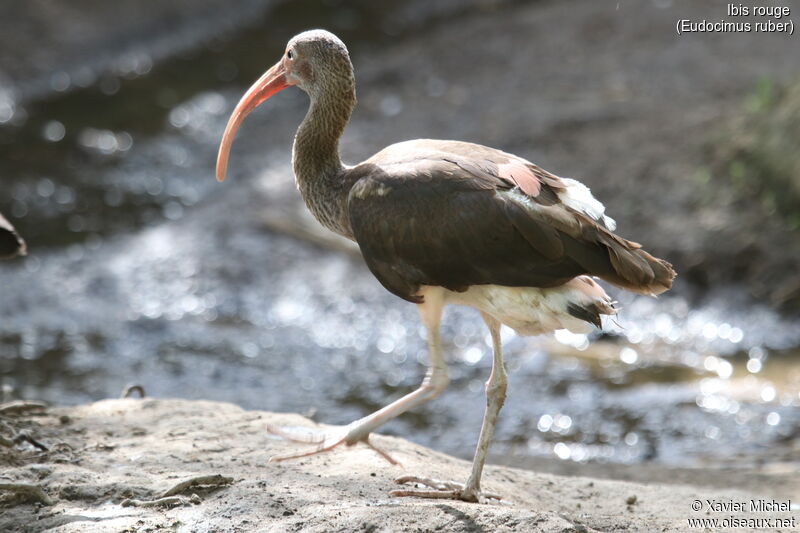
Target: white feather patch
578, 196
531, 310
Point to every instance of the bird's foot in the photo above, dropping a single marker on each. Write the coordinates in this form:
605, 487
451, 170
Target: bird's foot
325, 441
447, 490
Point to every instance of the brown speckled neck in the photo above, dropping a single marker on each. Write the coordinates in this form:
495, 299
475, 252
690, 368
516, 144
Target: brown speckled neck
315, 154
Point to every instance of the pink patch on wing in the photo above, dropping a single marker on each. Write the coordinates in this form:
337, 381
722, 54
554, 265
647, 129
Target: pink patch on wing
517, 172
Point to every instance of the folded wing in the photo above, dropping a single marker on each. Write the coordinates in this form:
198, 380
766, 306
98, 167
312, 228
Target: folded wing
456, 215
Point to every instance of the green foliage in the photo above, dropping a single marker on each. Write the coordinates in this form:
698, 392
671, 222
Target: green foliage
763, 96
759, 152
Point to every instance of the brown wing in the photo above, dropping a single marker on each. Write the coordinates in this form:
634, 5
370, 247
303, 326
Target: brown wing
430, 216
10, 243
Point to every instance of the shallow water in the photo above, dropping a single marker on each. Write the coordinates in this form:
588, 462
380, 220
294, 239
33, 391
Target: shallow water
143, 269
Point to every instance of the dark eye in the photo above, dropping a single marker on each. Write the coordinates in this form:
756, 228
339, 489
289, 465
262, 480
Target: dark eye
289, 54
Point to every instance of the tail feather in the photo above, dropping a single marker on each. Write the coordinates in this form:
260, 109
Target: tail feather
11, 243
588, 313
636, 270
590, 301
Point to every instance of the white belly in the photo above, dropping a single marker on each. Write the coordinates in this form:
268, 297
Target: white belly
533, 311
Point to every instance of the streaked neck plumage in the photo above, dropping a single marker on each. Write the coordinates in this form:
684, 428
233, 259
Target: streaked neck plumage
315, 154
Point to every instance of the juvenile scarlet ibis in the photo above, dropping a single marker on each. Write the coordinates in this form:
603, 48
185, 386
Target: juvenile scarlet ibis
11, 244
449, 222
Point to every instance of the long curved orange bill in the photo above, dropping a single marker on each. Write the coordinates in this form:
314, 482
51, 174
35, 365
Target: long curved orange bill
273, 81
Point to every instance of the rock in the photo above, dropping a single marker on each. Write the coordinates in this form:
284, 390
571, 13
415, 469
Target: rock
204, 466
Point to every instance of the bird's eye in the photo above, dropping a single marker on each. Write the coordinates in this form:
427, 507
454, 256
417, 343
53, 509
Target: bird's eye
289, 54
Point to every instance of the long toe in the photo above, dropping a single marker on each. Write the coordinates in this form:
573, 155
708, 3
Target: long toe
441, 489
325, 441
303, 435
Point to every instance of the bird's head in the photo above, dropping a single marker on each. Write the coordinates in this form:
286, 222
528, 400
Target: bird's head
316, 61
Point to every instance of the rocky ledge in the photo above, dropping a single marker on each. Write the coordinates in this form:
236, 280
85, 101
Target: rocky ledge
176, 465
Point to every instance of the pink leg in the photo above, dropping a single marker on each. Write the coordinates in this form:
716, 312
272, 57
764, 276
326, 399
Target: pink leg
435, 382
495, 397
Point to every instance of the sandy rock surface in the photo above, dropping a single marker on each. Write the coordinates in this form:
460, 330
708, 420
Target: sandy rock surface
107, 460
